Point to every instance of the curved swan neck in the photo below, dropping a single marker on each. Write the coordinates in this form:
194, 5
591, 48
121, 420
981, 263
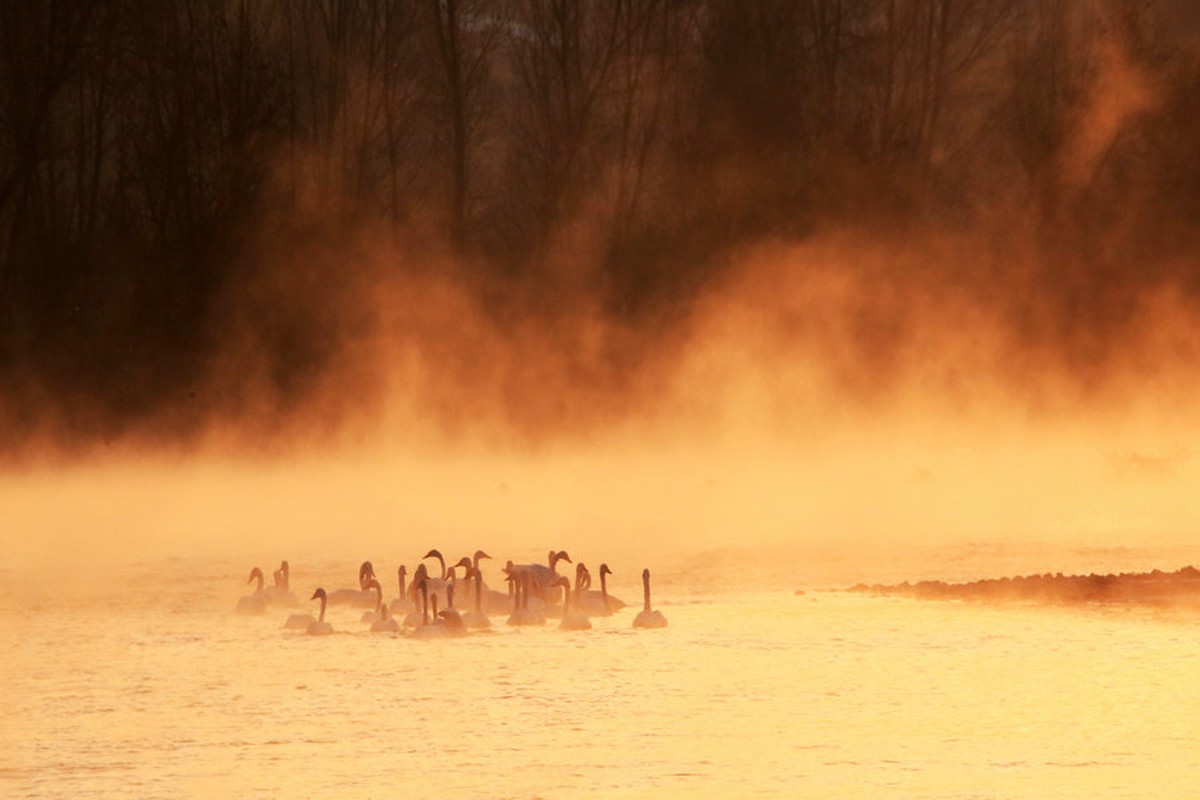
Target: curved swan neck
646, 589
440, 559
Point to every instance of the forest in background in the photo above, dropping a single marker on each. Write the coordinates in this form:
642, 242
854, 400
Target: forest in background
182, 180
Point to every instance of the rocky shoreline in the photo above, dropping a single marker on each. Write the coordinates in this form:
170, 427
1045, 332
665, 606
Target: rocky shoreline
1148, 588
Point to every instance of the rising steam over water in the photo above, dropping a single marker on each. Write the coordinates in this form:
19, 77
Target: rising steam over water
798, 326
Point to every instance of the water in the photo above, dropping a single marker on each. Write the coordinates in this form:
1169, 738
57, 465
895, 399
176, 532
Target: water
154, 688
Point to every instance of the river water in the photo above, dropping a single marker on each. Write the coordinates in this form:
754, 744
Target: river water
153, 687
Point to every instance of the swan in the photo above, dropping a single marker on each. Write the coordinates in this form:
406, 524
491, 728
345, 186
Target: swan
440, 558
253, 603
426, 630
280, 594
599, 603
435, 586
362, 596
374, 615
572, 620
546, 575
476, 618
415, 617
299, 621
493, 602
401, 605
386, 623
320, 627
522, 614
647, 618
449, 617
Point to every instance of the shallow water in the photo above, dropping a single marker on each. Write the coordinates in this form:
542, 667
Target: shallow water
160, 690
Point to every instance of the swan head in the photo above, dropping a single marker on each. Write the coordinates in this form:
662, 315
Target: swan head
433, 554
255, 574
646, 575
479, 554
403, 570
561, 555
319, 594
365, 573
465, 563
604, 570
420, 574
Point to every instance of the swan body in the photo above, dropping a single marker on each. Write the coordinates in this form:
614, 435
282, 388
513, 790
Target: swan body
427, 629
377, 613
280, 594
572, 619
386, 623
522, 614
647, 618
320, 627
475, 618
253, 603
299, 621
401, 605
545, 577
362, 596
599, 603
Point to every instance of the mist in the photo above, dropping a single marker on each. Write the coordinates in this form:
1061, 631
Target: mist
718, 303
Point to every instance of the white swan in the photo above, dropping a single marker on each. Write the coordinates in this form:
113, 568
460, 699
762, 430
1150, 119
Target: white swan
449, 617
647, 618
299, 621
415, 617
375, 614
401, 605
522, 614
386, 623
545, 576
572, 619
362, 596
426, 630
475, 618
280, 594
253, 603
435, 587
598, 603
320, 627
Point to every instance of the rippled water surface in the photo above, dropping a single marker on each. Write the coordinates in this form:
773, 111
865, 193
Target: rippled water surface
160, 690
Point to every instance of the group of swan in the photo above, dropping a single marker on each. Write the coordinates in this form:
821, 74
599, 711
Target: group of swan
533, 589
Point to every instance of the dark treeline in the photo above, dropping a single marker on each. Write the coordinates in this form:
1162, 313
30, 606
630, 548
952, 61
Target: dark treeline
162, 163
